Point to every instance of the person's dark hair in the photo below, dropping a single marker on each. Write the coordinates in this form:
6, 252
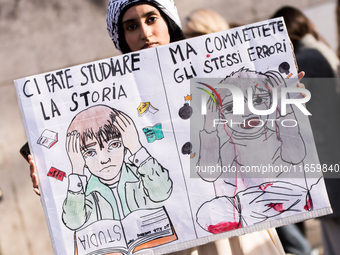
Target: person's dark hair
175, 32
104, 133
95, 123
298, 25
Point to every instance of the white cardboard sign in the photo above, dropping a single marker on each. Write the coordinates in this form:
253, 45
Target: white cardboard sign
117, 158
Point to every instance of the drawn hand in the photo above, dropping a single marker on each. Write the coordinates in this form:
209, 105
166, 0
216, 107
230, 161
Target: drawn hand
271, 199
74, 153
219, 215
34, 176
212, 114
128, 131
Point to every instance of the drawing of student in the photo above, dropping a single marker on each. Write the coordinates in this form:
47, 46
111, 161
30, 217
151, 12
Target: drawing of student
249, 140
98, 139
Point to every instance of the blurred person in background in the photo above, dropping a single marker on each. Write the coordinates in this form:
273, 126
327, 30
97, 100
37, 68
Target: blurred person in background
318, 60
337, 13
203, 21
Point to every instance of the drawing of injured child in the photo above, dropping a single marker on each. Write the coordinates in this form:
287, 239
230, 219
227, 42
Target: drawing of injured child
252, 140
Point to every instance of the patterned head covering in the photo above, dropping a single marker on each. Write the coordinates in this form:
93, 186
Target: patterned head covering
117, 8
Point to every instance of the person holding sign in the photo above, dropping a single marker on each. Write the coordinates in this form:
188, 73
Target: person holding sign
136, 25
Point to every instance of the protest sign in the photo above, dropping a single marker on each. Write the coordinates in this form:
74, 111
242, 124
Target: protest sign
138, 153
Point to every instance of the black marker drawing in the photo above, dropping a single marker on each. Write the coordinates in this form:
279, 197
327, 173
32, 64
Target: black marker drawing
48, 138
143, 108
185, 111
186, 148
251, 141
98, 139
252, 205
284, 68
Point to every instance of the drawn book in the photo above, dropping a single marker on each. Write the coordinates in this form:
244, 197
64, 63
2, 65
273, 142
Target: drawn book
140, 230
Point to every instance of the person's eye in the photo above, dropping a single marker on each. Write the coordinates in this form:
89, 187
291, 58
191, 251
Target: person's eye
115, 145
130, 27
89, 153
152, 19
260, 100
228, 108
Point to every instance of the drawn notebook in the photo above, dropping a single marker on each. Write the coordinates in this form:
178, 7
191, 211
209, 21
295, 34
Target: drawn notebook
160, 150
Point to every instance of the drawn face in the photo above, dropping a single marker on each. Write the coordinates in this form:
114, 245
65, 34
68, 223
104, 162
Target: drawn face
106, 162
248, 123
144, 27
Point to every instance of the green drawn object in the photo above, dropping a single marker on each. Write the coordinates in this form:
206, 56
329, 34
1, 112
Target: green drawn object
153, 133
150, 134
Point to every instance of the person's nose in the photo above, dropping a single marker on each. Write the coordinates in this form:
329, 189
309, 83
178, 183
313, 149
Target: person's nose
247, 112
105, 159
146, 32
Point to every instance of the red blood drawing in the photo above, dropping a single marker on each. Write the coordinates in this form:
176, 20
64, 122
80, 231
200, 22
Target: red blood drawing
277, 207
308, 205
223, 227
264, 186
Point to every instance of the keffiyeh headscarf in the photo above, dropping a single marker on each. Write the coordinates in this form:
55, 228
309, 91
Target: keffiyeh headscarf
117, 8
